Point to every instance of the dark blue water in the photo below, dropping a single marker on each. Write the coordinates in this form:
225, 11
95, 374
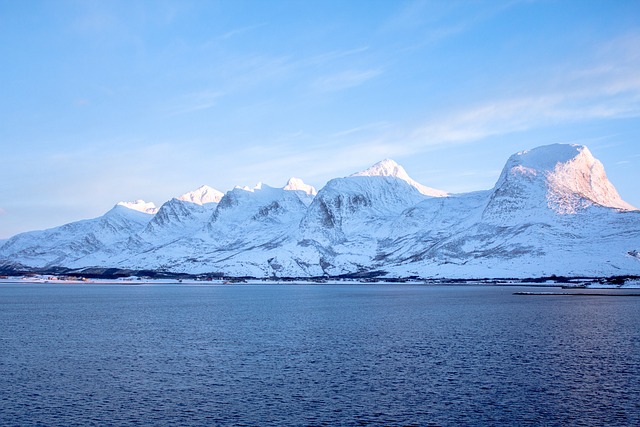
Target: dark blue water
315, 355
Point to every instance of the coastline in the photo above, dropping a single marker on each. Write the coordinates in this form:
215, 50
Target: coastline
564, 283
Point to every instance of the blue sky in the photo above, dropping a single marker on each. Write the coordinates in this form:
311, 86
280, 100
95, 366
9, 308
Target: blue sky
102, 101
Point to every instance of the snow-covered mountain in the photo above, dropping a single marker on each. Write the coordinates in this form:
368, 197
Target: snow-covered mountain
140, 206
296, 184
60, 246
176, 217
552, 211
202, 195
390, 168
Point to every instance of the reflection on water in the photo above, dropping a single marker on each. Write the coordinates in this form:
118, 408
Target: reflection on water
309, 355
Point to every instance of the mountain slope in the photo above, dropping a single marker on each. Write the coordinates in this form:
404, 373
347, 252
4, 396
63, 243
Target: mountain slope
61, 246
550, 204
202, 195
388, 167
243, 235
552, 211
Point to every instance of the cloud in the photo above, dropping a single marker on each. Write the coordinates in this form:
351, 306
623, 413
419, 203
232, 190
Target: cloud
437, 21
95, 17
238, 31
332, 56
606, 88
197, 101
520, 114
345, 80
2, 211
254, 70
377, 126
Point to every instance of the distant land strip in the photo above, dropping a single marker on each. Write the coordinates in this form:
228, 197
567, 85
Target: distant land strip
580, 294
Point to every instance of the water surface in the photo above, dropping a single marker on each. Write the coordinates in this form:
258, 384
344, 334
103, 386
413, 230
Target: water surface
315, 355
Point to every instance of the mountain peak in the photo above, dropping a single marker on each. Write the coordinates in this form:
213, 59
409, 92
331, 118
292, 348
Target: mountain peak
573, 177
296, 184
388, 167
246, 188
140, 206
202, 195
547, 157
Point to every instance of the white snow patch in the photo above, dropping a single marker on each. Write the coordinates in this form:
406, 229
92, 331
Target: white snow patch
389, 167
296, 184
367, 223
633, 283
258, 186
202, 195
574, 178
140, 206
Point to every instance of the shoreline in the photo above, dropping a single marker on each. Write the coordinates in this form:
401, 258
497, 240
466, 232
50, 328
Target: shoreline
580, 283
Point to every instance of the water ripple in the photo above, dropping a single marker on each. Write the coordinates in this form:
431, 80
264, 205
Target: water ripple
315, 355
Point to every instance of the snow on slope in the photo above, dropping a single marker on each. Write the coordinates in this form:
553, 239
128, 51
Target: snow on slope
388, 167
202, 195
573, 178
296, 184
265, 221
350, 206
60, 246
258, 214
305, 192
343, 224
245, 233
176, 218
552, 211
140, 206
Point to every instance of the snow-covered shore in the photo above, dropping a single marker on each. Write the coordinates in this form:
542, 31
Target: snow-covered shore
567, 284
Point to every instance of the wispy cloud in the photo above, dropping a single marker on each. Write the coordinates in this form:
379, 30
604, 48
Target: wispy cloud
603, 87
345, 80
95, 17
333, 55
358, 129
437, 21
195, 102
254, 70
606, 89
242, 30
520, 114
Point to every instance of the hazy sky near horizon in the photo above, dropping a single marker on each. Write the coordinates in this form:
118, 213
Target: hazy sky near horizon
103, 101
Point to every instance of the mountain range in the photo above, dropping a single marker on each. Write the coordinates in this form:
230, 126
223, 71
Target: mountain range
552, 212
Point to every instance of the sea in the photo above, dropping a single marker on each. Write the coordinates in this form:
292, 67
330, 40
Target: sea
316, 355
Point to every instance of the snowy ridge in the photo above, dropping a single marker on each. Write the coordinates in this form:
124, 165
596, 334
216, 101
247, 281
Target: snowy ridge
202, 195
140, 206
552, 211
356, 205
574, 178
305, 192
62, 245
296, 184
176, 217
388, 167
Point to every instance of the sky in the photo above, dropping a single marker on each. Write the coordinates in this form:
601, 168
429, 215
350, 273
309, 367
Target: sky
108, 101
